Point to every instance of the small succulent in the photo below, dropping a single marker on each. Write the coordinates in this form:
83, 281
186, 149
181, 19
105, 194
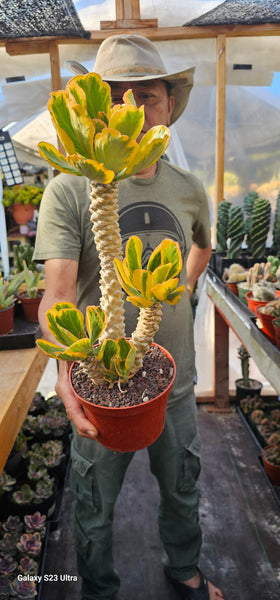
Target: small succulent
54, 402
245, 364
8, 544
23, 590
272, 454
54, 422
35, 522
30, 543
6, 482
28, 565
23, 495
23, 252
13, 524
7, 565
49, 454
44, 489
263, 291
38, 404
36, 472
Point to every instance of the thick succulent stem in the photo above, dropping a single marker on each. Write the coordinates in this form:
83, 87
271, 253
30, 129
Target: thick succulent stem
105, 227
93, 370
147, 326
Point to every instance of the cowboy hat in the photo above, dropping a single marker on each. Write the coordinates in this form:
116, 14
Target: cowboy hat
125, 58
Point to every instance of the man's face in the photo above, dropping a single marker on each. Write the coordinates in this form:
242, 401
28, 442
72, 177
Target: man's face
153, 94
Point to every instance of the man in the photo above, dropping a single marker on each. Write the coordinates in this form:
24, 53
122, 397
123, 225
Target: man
161, 201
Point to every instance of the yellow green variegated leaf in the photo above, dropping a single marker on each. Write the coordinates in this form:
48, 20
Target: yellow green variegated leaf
49, 348
151, 147
59, 305
142, 280
140, 301
128, 120
79, 350
133, 253
65, 330
56, 159
95, 322
97, 93
98, 125
92, 169
170, 253
72, 123
162, 290
128, 97
114, 150
102, 116
72, 320
161, 274
124, 347
108, 350
175, 297
124, 278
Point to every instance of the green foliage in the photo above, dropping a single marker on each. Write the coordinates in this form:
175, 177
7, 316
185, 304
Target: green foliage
275, 248
22, 194
23, 252
32, 281
8, 290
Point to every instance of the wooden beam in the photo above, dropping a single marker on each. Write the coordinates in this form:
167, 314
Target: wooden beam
128, 24
127, 9
220, 116
37, 45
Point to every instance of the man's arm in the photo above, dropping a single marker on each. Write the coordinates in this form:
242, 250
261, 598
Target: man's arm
197, 260
60, 285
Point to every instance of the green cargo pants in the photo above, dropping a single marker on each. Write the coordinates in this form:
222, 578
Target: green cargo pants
96, 477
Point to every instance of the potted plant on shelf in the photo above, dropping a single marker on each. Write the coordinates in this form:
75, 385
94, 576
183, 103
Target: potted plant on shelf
8, 291
32, 296
266, 314
22, 199
246, 386
271, 463
100, 142
276, 327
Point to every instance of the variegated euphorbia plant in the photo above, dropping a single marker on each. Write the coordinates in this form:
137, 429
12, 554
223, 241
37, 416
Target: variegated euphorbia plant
101, 143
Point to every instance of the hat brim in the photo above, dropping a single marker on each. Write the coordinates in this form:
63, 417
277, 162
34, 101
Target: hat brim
181, 83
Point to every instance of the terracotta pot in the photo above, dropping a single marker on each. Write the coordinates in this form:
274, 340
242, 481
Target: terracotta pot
276, 329
277, 293
233, 287
267, 327
7, 320
22, 213
253, 304
129, 428
30, 306
272, 471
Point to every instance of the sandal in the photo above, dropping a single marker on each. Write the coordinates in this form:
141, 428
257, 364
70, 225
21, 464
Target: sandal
188, 593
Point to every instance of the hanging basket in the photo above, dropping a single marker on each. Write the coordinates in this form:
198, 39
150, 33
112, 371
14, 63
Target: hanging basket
129, 428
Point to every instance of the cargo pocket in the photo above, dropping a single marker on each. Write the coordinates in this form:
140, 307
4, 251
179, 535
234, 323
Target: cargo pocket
191, 465
83, 481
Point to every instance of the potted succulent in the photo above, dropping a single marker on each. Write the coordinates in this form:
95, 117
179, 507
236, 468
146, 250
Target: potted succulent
22, 199
271, 462
100, 142
23, 590
266, 314
32, 296
8, 291
276, 327
246, 386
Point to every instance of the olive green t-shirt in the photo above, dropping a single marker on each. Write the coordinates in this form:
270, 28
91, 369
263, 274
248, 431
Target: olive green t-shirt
172, 204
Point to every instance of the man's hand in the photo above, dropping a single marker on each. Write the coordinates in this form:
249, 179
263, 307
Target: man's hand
72, 406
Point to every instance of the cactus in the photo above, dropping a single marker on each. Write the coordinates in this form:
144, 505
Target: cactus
260, 227
248, 207
244, 357
275, 248
235, 231
222, 225
263, 291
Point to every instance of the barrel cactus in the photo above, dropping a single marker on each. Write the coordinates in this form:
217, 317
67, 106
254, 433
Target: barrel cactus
260, 227
222, 226
235, 231
275, 248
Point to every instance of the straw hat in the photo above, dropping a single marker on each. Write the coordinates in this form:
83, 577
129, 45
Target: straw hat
125, 58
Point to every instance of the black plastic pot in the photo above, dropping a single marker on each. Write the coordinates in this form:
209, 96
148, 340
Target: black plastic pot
243, 391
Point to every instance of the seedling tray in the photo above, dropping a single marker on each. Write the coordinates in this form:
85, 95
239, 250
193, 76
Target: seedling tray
24, 335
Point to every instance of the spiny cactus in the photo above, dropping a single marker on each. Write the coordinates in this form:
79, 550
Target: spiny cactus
222, 225
235, 231
275, 248
244, 357
260, 227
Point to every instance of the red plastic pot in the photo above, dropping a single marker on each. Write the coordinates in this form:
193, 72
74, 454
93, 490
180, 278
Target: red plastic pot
22, 213
7, 320
253, 304
129, 428
276, 329
272, 471
233, 287
267, 327
30, 306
